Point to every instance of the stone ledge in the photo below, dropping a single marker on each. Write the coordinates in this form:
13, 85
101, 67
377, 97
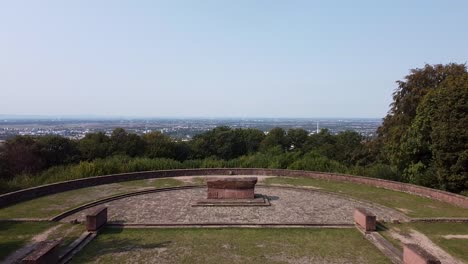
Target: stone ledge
259, 200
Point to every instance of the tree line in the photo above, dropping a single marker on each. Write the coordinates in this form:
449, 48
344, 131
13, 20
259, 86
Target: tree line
30, 155
423, 140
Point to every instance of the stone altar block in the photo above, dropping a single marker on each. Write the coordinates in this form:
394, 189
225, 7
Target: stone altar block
231, 188
233, 191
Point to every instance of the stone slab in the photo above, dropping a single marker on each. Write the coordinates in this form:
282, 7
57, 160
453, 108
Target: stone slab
96, 219
414, 254
365, 219
259, 200
231, 188
46, 252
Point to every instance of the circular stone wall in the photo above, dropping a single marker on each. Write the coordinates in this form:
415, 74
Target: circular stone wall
288, 206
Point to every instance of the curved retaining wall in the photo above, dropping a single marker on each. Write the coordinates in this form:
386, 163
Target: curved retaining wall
31, 193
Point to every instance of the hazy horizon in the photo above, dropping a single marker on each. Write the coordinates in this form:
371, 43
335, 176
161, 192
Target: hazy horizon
219, 59
104, 117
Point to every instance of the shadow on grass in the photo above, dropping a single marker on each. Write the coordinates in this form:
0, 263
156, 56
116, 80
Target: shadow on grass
116, 243
6, 248
381, 227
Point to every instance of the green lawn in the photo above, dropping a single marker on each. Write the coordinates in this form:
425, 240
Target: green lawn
13, 235
51, 205
230, 246
411, 205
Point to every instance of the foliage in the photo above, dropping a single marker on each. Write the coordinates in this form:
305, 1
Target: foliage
425, 134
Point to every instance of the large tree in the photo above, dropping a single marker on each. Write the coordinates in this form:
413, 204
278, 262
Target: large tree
406, 99
425, 131
435, 149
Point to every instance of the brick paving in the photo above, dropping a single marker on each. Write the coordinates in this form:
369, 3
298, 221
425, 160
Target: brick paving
287, 206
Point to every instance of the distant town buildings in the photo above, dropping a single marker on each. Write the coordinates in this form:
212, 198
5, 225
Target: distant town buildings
183, 129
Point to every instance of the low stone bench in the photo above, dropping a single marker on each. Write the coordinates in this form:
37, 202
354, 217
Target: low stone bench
365, 219
96, 219
46, 252
414, 254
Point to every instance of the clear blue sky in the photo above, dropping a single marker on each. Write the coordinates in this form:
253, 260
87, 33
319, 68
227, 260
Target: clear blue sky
219, 58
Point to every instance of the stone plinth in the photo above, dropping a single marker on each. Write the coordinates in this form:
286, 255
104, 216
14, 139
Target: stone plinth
414, 254
365, 219
46, 252
231, 188
96, 219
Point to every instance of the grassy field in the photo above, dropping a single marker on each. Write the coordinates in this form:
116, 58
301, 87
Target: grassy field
408, 204
14, 235
230, 246
51, 205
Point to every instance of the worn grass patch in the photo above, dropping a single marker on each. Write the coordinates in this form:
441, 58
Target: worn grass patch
408, 204
230, 246
51, 205
14, 235
439, 233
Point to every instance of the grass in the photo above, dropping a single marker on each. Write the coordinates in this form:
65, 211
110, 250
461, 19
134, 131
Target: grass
408, 204
437, 231
457, 247
230, 246
51, 205
14, 235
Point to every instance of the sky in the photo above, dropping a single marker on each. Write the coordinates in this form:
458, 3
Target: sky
219, 58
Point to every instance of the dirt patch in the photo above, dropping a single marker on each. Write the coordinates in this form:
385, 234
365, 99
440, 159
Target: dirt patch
415, 237
22, 252
455, 236
404, 210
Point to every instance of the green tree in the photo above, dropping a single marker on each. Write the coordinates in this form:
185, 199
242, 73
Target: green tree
159, 145
297, 137
437, 142
94, 145
406, 98
276, 137
124, 143
252, 139
23, 155
57, 150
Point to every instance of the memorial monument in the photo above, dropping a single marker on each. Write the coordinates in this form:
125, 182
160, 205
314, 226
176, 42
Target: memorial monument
232, 191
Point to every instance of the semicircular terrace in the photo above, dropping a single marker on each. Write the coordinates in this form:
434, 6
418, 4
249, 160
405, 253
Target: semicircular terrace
31, 193
289, 205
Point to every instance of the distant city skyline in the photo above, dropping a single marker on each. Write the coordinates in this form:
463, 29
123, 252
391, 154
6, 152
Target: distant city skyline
219, 59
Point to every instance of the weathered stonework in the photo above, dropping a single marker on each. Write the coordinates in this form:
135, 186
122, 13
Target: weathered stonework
414, 254
365, 219
96, 219
46, 252
231, 188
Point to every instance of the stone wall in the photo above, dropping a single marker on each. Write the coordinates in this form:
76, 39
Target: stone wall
31, 193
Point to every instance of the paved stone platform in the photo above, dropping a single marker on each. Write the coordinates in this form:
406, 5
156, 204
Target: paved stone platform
288, 205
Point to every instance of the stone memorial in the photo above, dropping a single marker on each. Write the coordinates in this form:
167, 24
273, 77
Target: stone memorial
231, 188
232, 191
